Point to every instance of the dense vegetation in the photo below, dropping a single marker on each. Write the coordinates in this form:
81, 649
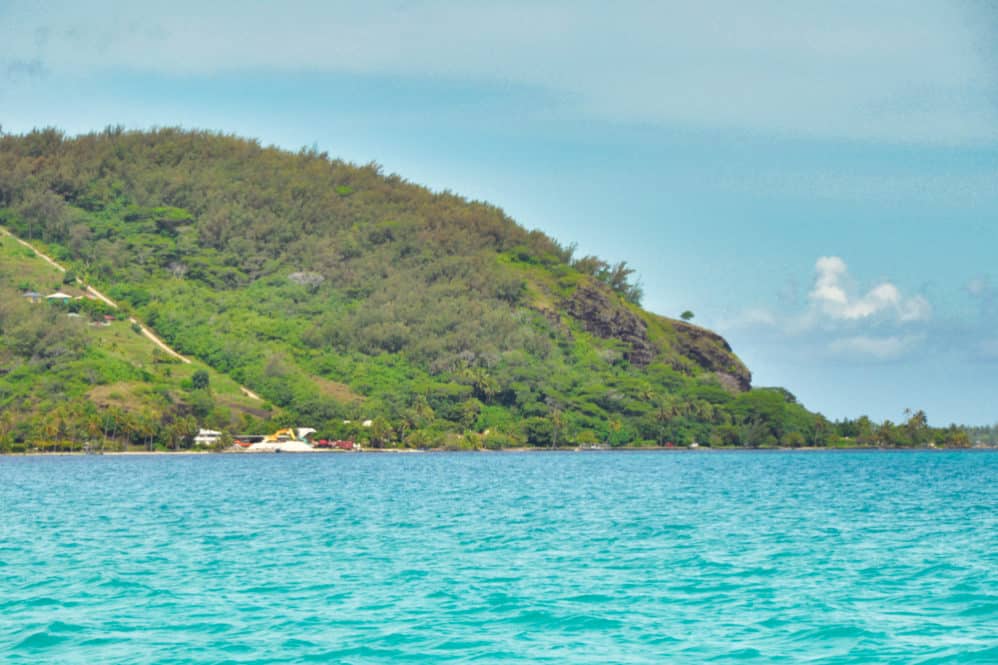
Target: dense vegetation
985, 436
342, 294
78, 371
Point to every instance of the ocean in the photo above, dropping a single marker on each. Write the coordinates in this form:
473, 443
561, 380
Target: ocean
603, 557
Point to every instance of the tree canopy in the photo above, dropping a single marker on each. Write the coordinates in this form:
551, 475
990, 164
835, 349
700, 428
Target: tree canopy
340, 293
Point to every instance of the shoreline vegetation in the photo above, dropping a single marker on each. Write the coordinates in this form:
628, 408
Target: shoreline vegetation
501, 451
252, 289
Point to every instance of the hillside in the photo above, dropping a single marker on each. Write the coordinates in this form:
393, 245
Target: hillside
77, 371
339, 293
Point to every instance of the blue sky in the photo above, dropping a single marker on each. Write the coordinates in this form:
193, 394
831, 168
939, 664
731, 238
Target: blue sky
816, 181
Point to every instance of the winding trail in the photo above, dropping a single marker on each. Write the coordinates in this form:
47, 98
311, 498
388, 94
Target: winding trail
145, 330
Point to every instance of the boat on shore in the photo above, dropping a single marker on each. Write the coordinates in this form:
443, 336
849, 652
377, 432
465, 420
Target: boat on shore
289, 440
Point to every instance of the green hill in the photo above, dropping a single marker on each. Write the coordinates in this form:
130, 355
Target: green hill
339, 294
77, 371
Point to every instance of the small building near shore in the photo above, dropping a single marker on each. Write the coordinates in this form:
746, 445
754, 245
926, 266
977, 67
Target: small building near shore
59, 296
207, 437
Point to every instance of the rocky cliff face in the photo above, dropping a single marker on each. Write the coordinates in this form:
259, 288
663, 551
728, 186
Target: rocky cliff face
713, 353
601, 315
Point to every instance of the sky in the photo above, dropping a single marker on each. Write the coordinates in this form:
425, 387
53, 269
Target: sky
816, 181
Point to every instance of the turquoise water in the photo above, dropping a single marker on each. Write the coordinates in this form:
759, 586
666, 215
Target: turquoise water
862, 557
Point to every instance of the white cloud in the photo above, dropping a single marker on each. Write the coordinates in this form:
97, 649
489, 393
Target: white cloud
916, 308
879, 324
893, 71
831, 295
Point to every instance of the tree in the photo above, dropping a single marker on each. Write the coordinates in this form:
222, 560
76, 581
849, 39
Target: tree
380, 433
539, 431
95, 428
793, 439
201, 403
484, 386
820, 430
42, 208
686, 315
223, 442
186, 429
886, 435
955, 437
6, 427
916, 427
200, 380
557, 425
864, 431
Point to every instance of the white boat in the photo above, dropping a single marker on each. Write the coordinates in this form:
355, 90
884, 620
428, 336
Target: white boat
291, 446
291, 440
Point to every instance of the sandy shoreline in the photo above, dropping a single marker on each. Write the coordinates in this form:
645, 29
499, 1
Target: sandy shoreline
410, 451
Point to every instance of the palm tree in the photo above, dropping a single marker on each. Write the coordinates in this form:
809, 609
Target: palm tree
6, 427
557, 424
50, 428
95, 427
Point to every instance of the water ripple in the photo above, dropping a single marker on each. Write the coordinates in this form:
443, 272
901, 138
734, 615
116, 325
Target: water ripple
533, 558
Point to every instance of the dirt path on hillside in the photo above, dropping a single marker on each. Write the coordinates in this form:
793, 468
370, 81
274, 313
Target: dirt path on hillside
250, 393
100, 296
48, 259
156, 340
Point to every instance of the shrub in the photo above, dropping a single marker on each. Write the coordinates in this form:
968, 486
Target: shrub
200, 380
539, 431
498, 441
793, 439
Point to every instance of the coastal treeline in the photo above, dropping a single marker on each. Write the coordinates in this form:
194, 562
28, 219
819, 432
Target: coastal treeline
985, 436
343, 295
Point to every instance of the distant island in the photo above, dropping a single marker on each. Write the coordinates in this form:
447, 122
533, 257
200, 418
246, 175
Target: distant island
155, 285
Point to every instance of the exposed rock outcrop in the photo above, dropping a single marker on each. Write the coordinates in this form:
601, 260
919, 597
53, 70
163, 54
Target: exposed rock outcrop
602, 316
713, 353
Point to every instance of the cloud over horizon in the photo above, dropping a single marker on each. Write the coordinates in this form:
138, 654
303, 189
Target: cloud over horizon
830, 296
840, 319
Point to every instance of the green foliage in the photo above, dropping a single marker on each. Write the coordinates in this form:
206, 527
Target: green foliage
200, 380
538, 431
340, 294
65, 384
984, 436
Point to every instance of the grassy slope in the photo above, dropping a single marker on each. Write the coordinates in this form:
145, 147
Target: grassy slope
432, 313
126, 369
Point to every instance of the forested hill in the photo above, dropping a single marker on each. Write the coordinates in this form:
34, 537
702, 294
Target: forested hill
339, 293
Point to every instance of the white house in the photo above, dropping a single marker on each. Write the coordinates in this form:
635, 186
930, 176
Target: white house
207, 437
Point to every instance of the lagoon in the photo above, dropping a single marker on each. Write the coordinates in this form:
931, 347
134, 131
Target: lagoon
607, 557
